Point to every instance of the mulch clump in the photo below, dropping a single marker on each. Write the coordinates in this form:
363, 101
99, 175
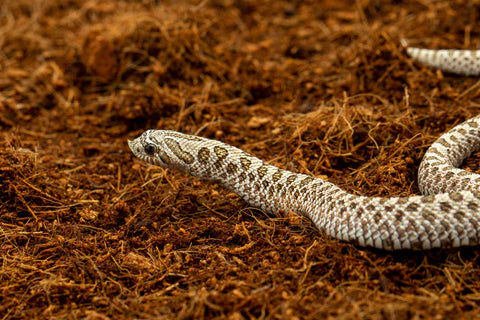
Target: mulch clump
318, 87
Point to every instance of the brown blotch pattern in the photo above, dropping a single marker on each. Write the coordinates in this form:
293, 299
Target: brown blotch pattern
231, 168
245, 163
221, 152
166, 159
203, 155
291, 179
305, 181
262, 171
427, 199
360, 212
472, 124
472, 206
277, 175
456, 196
412, 207
445, 206
399, 215
183, 136
265, 183
175, 147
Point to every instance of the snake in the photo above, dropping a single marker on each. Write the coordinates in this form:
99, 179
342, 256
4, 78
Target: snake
464, 62
446, 215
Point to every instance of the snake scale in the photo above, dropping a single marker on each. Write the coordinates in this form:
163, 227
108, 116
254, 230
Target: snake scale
446, 215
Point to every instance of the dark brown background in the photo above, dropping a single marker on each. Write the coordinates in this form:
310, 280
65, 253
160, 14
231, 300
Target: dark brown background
319, 87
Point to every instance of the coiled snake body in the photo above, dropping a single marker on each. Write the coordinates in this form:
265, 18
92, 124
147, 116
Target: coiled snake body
447, 215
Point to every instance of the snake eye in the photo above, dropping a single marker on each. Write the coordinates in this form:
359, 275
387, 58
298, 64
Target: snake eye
149, 149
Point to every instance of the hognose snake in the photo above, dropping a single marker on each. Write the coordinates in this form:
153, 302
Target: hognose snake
447, 215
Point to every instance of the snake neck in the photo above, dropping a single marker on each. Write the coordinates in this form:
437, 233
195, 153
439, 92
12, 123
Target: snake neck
264, 186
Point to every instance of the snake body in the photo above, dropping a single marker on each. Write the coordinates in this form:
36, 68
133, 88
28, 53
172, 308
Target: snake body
450, 218
465, 62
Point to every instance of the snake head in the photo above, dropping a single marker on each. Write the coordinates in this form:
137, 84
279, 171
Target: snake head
150, 147
168, 149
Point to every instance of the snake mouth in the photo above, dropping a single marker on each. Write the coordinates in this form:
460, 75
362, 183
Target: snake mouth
130, 144
134, 146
